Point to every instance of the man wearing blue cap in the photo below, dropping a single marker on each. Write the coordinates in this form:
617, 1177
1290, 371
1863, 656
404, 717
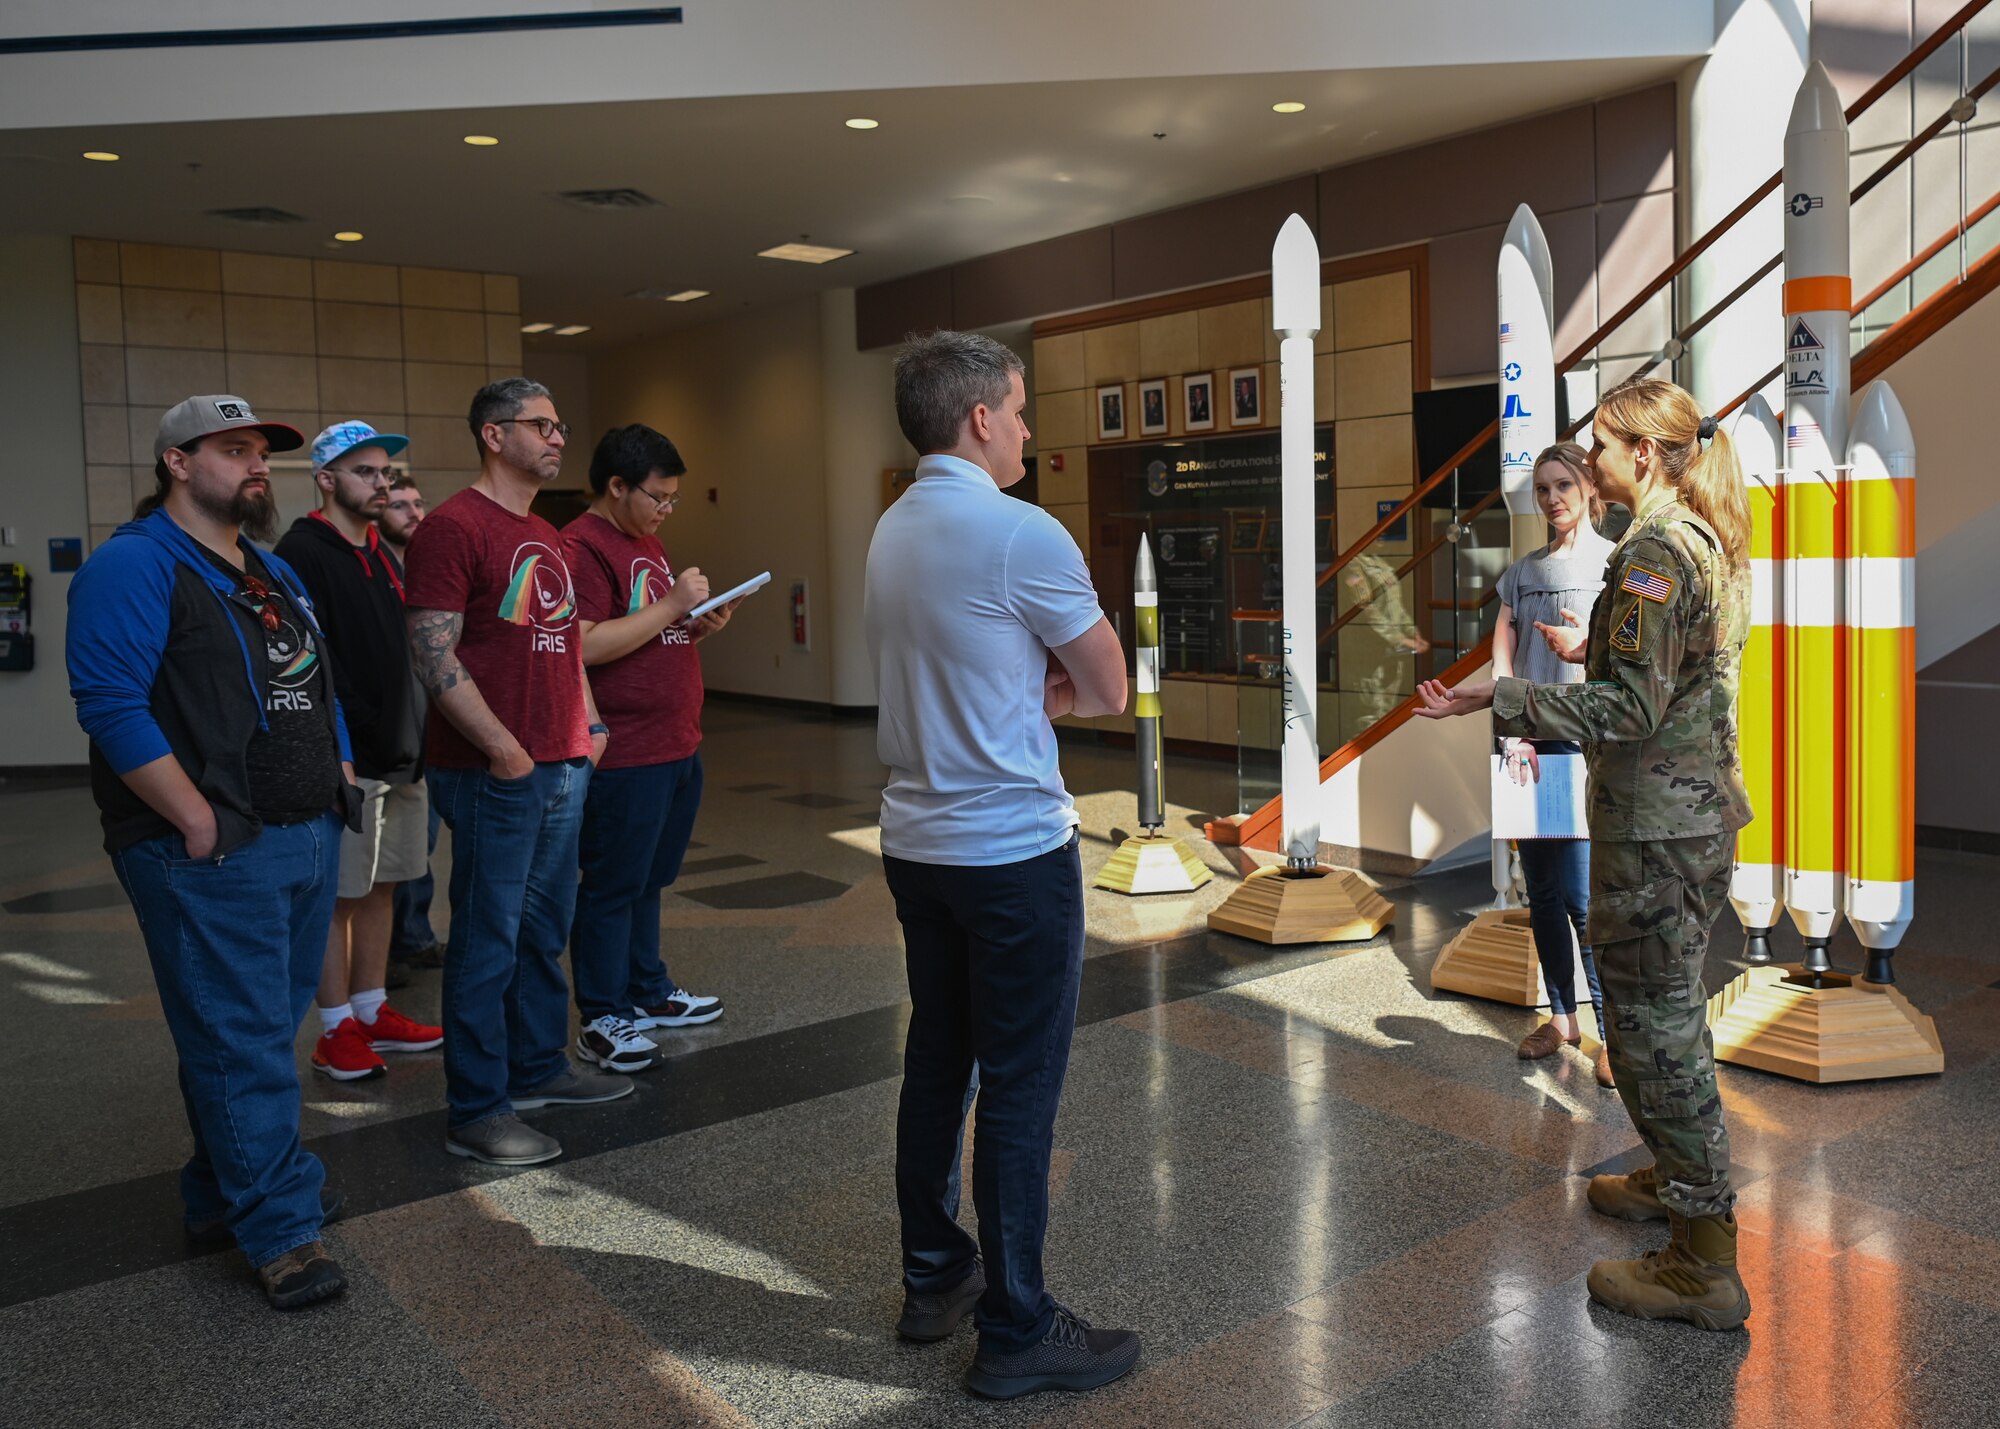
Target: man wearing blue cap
358, 594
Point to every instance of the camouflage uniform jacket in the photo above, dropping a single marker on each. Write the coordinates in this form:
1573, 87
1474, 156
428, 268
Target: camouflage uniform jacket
1657, 714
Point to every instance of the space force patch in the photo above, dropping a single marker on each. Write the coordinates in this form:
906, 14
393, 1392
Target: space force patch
1625, 638
1650, 584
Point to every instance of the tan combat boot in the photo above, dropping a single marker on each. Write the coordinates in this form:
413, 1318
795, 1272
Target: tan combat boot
1628, 1198
1693, 1279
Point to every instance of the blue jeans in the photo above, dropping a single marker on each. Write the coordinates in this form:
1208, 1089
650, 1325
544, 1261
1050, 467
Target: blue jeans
513, 888
994, 957
1557, 872
412, 926
236, 945
636, 826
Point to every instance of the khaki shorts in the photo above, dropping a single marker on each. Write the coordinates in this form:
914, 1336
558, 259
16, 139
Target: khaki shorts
394, 843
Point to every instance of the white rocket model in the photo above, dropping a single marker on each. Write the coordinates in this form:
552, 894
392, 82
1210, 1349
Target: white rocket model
1757, 884
1818, 294
1295, 315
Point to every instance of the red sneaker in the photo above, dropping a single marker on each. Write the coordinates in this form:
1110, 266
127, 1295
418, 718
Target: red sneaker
344, 1055
393, 1032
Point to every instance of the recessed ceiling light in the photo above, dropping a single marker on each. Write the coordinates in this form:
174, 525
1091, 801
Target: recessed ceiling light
481, 141
103, 156
536, 327
864, 124
1288, 106
687, 295
572, 330
805, 253
348, 235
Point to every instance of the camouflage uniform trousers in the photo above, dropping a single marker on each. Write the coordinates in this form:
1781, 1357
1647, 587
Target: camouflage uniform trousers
1652, 907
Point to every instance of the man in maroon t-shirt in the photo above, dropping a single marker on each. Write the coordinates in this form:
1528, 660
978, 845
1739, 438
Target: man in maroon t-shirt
639, 647
512, 740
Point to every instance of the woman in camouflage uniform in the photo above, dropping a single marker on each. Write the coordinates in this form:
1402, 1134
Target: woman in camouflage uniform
1657, 718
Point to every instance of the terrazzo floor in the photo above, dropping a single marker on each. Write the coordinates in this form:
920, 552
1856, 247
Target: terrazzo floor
1323, 1193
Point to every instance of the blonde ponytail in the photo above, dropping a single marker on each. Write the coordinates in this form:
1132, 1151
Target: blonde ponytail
1704, 472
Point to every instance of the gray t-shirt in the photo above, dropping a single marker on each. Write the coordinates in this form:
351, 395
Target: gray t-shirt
1540, 587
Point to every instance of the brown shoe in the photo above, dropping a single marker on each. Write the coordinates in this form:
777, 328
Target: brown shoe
1628, 1198
1544, 1041
1693, 1279
1603, 1067
301, 1277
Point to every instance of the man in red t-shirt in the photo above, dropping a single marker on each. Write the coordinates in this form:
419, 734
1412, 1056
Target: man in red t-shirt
639, 647
512, 740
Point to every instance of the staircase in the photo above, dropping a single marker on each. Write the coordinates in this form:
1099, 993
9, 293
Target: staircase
1398, 797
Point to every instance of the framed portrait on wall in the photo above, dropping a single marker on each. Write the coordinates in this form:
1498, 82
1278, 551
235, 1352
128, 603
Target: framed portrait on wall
1153, 408
1246, 397
1111, 413
1198, 401
1246, 532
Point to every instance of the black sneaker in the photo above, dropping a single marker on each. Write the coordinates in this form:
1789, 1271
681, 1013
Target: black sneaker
1070, 1356
930, 1316
301, 1277
215, 1234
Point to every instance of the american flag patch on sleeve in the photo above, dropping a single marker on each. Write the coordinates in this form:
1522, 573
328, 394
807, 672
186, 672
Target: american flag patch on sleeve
1650, 584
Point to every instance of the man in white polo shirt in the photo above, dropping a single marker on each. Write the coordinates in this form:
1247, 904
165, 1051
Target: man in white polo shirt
983, 626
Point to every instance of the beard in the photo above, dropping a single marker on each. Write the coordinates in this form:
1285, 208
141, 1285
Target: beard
398, 539
365, 509
254, 512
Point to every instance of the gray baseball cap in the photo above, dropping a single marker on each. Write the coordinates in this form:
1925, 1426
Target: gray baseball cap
204, 416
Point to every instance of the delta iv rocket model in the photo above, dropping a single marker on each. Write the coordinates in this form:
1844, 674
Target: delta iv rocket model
1826, 702
1757, 887
1817, 295
1146, 691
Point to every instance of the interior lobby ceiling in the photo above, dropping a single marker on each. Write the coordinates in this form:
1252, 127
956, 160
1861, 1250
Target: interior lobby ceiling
951, 173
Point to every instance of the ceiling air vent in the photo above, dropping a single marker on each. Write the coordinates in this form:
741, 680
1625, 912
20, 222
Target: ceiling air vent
264, 215
609, 198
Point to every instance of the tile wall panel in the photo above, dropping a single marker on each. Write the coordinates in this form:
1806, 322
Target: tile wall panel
305, 341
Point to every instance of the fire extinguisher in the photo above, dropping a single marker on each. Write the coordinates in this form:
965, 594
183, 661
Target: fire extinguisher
799, 632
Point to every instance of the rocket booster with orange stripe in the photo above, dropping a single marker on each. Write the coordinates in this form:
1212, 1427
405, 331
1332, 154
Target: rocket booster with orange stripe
1881, 610
1818, 294
1756, 888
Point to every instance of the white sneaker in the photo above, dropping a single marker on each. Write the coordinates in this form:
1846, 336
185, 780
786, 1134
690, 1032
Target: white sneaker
681, 1009
615, 1045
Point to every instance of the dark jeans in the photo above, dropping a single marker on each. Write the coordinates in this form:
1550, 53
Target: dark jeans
636, 826
236, 945
513, 889
1557, 872
994, 957
412, 926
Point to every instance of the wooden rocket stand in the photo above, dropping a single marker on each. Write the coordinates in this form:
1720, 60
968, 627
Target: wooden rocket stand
1822, 1026
1153, 863
1277, 904
1493, 958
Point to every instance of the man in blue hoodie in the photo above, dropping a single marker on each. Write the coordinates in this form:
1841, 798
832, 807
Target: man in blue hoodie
222, 776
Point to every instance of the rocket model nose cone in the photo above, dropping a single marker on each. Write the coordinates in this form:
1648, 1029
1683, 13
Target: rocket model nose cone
1142, 568
1295, 278
1755, 433
1525, 236
1880, 425
1816, 107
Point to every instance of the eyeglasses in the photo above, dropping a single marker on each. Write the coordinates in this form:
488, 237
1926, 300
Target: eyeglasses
547, 426
373, 475
665, 503
260, 596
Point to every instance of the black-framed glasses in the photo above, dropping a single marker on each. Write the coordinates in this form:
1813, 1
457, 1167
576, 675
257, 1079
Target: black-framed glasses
665, 503
547, 426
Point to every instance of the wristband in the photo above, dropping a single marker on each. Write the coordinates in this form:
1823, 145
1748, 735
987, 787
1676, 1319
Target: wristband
603, 729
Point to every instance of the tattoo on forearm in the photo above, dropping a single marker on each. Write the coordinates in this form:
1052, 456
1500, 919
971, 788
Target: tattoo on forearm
434, 649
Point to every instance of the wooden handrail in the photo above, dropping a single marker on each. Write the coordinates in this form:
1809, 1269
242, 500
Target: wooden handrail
1262, 824
1424, 488
1930, 250
1479, 507
1935, 311
1897, 73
